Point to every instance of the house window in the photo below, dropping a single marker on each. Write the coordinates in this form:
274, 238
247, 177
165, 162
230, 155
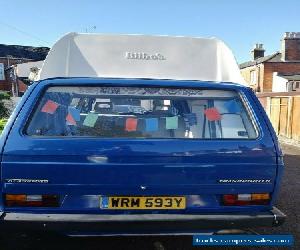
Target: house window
295, 86
253, 77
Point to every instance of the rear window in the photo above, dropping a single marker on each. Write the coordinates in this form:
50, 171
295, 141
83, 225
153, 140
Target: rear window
131, 112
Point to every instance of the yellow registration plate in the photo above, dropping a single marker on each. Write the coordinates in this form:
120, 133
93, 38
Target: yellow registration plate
143, 202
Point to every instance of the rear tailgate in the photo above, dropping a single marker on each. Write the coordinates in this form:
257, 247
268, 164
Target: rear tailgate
81, 169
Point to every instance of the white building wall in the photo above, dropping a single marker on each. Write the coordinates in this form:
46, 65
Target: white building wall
279, 83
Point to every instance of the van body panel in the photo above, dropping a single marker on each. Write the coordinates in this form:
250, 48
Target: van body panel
81, 170
8, 127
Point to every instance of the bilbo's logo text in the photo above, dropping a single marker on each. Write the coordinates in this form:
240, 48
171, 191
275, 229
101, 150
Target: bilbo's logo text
144, 56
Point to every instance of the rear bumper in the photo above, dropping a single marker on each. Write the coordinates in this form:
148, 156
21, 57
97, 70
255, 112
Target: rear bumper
139, 223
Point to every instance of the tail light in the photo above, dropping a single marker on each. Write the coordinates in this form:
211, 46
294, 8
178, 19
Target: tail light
246, 199
23, 200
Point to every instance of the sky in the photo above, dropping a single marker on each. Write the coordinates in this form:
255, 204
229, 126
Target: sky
240, 24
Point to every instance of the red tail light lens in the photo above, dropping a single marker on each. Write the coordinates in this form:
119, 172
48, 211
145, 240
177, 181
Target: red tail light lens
22, 200
246, 199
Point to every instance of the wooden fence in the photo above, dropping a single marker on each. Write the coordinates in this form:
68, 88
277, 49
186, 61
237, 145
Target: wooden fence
283, 110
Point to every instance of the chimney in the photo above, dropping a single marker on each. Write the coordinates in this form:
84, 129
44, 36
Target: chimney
290, 46
258, 51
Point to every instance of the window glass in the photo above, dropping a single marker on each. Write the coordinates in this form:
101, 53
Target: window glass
130, 112
253, 77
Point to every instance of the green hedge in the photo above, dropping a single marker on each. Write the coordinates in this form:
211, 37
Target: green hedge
2, 124
4, 112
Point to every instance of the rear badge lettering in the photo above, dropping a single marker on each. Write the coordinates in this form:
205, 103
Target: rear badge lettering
225, 181
29, 181
144, 56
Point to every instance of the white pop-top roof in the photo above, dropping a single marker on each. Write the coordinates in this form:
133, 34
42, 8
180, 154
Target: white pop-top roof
141, 56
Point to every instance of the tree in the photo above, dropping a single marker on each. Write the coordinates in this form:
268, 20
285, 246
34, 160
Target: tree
4, 111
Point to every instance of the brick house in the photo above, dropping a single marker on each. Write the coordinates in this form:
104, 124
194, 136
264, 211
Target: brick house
15, 54
260, 71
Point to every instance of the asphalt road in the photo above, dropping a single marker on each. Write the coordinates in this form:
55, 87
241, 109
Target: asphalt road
288, 202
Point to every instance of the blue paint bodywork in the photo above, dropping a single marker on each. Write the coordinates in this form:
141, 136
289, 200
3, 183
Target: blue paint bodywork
165, 166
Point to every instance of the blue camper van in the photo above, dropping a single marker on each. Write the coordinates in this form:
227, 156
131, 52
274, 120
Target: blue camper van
163, 152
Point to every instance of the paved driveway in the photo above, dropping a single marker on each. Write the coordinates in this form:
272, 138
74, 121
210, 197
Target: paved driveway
288, 202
